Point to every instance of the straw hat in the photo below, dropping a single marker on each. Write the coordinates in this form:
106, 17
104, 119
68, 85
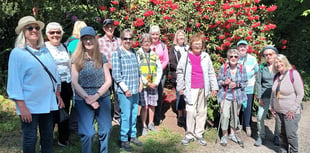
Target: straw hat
25, 21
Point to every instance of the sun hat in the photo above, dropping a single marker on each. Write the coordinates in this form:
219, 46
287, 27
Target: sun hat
269, 47
242, 42
53, 25
107, 21
87, 31
26, 20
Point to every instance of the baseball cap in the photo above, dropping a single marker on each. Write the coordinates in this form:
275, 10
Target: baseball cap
242, 42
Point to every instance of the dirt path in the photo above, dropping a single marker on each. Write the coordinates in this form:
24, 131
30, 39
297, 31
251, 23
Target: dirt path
268, 147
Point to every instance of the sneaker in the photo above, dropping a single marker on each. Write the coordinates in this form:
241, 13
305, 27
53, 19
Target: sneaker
181, 121
276, 140
248, 131
144, 131
224, 141
126, 146
186, 141
152, 127
202, 141
235, 138
66, 143
258, 142
116, 121
136, 141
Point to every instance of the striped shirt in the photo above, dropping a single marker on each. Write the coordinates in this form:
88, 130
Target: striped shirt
250, 63
125, 69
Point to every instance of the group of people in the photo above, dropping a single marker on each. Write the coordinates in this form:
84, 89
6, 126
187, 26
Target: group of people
44, 76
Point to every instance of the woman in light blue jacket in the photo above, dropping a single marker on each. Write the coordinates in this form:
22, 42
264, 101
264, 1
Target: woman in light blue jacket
195, 79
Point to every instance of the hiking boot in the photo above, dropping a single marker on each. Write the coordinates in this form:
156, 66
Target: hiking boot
235, 138
258, 142
202, 141
276, 140
186, 141
136, 141
61, 144
152, 127
126, 146
144, 131
224, 141
248, 131
181, 121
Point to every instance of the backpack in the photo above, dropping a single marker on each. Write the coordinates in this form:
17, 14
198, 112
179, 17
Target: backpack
67, 42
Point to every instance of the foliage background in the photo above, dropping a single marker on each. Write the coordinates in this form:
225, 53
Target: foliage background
219, 20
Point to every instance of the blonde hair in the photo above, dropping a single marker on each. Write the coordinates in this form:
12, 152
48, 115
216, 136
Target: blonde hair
284, 60
78, 56
231, 51
154, 28
175, 40
78, 25
197, 37
21, 40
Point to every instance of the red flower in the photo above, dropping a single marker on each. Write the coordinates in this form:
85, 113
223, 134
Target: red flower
206, 17
116, 23
256, 17
112, 9
218, 22
218, 48
169, 76
256, 1
126, 17
284, 42
284, 47
167, 17
248, 37
221, 36
231, 20
237, 5
228, 26
254, 8
174, 6
250, 32
271, 8
240, 22
251, 18
226, 43
255, 25
226, 6
114, 2
188, 29
262, 7
148, 13
102, 7
198, 24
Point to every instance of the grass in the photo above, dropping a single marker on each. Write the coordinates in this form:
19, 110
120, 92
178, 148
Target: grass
163, 141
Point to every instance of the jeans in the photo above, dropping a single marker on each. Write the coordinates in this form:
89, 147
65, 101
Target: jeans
45, 122
129, 113
247, 112
86, 117
288, 133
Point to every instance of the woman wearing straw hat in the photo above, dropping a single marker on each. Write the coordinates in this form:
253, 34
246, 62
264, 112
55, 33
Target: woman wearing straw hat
32, 84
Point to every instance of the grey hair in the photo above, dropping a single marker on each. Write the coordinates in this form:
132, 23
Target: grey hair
21, 40
147, 36
283, 59
53, 25
154, 28
126, 31
231, 51
175, 40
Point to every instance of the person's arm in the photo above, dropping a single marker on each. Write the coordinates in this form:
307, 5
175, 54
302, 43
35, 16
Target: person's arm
159, 71
259, 83
299, 90
116, 71
75, 84
244, 78
211, 75
165, 57
180, 74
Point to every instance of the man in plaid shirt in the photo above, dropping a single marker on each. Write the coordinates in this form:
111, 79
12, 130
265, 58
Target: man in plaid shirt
107, 44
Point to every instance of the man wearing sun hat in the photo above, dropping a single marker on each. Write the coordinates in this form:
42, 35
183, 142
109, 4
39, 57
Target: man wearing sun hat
251, 65
32, 87
107, 44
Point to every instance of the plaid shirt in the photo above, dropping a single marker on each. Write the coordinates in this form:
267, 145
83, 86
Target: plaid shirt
240, 78
125, 69
107, 46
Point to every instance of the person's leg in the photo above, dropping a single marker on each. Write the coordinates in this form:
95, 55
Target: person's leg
46, 132
282, 135
143, 111
248, 114
116, 107
261, 115
134, 99
30, 134
225, 115
103, 117
191, 115
158, 115
63, 127
151, 113
86, 129
201, 113
125, 105
291, 133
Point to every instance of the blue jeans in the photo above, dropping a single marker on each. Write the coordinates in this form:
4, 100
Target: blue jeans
86, 118
129, 113
45, 122
247, 112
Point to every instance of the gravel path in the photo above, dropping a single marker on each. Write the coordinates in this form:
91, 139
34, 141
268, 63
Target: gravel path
267, 147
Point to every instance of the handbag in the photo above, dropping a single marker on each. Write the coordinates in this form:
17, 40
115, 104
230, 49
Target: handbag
63, 115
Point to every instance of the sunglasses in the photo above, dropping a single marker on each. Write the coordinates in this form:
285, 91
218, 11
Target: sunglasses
270, 54
233, 56
53, 32
30, 28
125, 38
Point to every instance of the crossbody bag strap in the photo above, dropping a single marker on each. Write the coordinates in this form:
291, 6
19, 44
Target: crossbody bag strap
45, 68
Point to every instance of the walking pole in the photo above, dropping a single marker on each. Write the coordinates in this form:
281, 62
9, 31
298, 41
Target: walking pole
236, 120
218, 128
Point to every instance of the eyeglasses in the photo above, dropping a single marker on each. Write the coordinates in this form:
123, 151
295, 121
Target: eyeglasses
233, 56
125, 38
30, 28
197, 44
53, 32
144, 42
270, 54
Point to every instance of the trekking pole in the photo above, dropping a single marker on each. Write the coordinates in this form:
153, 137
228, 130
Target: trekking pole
236, 120
218, 128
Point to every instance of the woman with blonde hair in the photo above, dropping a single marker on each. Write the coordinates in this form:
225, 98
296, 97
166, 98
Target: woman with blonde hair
74, 38
286, 97
91, 80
